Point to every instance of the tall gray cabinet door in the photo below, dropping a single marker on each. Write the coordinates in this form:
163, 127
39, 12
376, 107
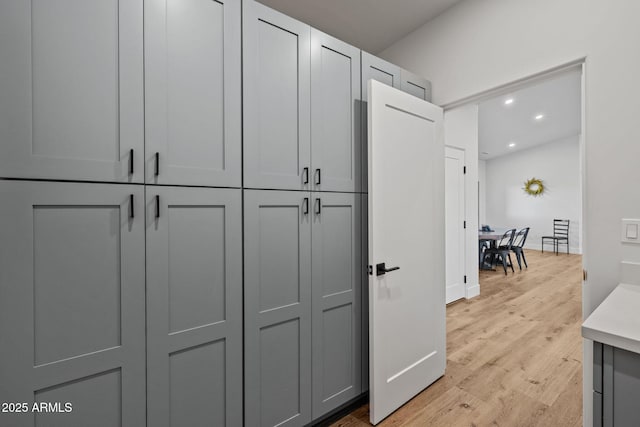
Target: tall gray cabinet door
336, 284
194, 306
415, 85
276, 61
335, 114
72, 302
382, 71
192, 92
71, 92
277, 307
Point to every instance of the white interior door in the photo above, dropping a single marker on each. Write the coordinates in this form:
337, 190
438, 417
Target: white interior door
406, 230
454, 219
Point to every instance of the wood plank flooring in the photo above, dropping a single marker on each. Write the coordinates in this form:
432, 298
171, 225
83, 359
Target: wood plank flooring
514, 354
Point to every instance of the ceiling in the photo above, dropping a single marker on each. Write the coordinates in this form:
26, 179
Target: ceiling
371, 25
558, 99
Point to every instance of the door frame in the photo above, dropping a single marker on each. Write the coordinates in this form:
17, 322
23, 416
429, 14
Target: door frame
463, 248
579, 64
582, 64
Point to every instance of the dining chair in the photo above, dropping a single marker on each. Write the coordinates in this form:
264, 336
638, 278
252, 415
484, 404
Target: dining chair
502, 250
560, 235
518, 246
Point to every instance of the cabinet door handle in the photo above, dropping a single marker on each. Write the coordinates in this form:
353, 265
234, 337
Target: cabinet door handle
318, 176
131, 162
131, 212
305, 206
318, 206
156, 172
157, 206
305, 174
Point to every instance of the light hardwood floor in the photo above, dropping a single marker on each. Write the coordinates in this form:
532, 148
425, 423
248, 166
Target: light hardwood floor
514, 354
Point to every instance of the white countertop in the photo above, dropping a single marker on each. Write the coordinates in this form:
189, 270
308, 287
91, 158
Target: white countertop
616, 321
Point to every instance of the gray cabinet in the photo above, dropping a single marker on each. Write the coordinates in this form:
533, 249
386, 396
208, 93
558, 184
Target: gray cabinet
382, 71
72, 281
415, 85
276, 99
192, 92
616, 386
335, 114
71, 101
336, 281
277, 307
302, 305
194, 306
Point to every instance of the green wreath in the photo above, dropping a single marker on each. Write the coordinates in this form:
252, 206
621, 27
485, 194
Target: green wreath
534, 187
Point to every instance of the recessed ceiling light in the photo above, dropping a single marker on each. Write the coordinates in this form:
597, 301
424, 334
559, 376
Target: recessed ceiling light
539, 117
512, 144
508, 101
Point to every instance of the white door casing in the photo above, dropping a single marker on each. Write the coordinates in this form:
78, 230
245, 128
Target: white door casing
454, 220
407, 230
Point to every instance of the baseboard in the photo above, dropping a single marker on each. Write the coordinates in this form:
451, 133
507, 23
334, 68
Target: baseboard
333, 416
472, 291
549, 248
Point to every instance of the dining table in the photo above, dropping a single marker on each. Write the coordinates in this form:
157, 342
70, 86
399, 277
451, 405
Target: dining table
492, 237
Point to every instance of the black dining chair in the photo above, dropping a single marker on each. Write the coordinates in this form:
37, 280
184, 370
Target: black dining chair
518, 246
560, 235
502, 250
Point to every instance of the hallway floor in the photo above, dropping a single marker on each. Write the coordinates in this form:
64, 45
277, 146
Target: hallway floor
514, 354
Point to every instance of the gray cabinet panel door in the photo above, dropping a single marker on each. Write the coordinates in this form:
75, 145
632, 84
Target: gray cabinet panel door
72, 307
416, 85
382, 71
192, 92
194, 306
276, 61
336, 284
277, 308
335, 114
71, 102
625, 388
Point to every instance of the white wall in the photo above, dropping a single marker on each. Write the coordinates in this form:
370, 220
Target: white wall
461, 131
480, 44
482, 192
558, 165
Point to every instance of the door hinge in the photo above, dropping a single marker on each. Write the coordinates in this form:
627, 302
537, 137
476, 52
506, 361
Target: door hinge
584, 275
465, 279
370, 270
464, 224
464, 170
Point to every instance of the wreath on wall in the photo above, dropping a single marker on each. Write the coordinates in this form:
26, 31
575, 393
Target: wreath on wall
534, 187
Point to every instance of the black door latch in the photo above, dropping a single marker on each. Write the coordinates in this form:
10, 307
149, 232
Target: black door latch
381, 269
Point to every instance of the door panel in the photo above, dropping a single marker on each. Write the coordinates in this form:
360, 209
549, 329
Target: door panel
416, 85
336, 282
454, 220
276, 94
71, 101
192, 81
277, 232
194, 300
384, 72
72, 306
335, 114
405, 232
